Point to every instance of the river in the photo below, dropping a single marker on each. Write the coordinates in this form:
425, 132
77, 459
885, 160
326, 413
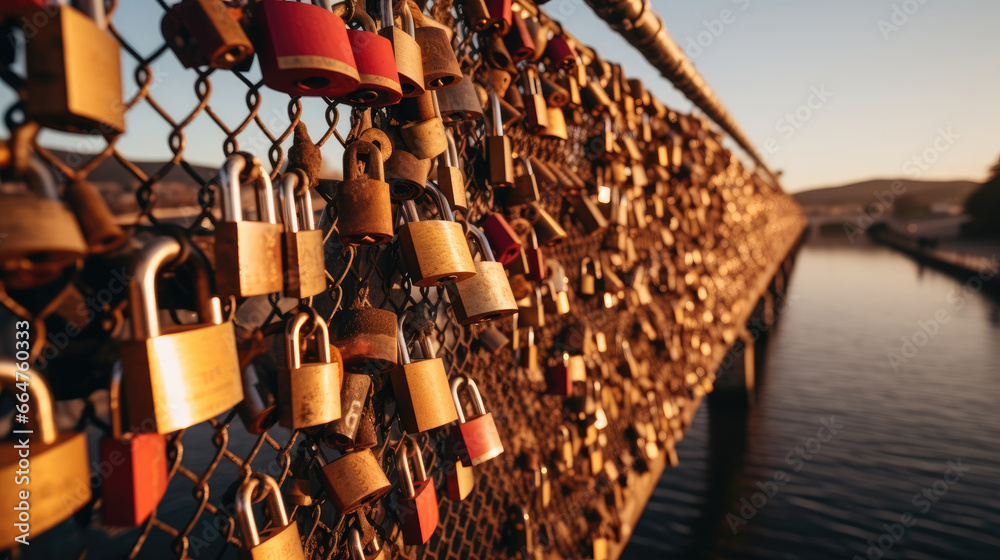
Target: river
876, 432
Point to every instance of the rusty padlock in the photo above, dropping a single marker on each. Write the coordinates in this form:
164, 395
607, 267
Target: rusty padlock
406, 173
477, 439
342, 433
366, 337
425, 136
364, 198
441, 68
487, 295
205, 33
435, 251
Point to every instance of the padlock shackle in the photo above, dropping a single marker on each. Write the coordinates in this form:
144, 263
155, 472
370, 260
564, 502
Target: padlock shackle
353, 537
484, 244
95, 11
473, 390
40, 178
408, 25
244, 506
114, 400
286, 192
451, 154
440, 201
362, 17
41, 398
564, 431
496, 110
293, 351
532, 80
526, 162
229, 179
407, 448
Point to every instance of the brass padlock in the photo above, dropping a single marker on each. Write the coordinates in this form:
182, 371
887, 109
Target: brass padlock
525, 185
565, 449
60, 468
364, 200
536, 112
353, 480
527, 354
435, 251
247, 254
406, 174
423, 395
302, 250
461, 479
309, 393
591, 279
441, 68
409, 62
548, 229
74, 72
531, 310
366, 337
461, 102
425, 136
555, 95
487, 295
450, 178
185, 374
558, 284
205, 33
499, 153
40, 236
557, 124
281, 539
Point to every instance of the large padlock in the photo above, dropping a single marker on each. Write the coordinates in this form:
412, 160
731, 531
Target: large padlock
138, 481
281, 539
205, 33
461, 102
423, 396
342, 433
97, 222
59, 481
366, 337
504, 241
247, 254
304, 50
406, 51
441, 68
302, 249
376, 64
435, 251
185, 374
499, 153
476, 439
364, 200
536, 113
40, 236
425, 135
450, 178
487, 295
309, 393
74, 72
418, 507
353, 480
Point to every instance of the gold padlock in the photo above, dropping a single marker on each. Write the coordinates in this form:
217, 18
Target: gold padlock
423, 395
450, 178
281, 539
435, 251
536, 114
549, 231
352, 481
247, 254
531, 310
302, 250
309, 393
185, 374
406, 51
499, 153
487, 295
425, 135
59, 482
557, 124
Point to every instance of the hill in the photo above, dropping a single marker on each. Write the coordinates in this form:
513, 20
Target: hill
915, 193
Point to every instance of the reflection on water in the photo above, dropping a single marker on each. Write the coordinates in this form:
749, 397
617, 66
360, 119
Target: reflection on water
875, 435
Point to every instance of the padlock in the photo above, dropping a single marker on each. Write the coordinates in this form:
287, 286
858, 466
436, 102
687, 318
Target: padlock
366, 337
353, 480
461, 102
559, 53
406, 51
40, 236
406, 174
247, 254
557, 124
74, 72
304, 50
461, 479
591, 278
543, 486
364, 200
97, 222
309, 393
425, 135
519, 41
441, 68
358, 552
138, 481
477, 15
558, 284
565, 448
548, 229
492, 339
544, 176
450, 179
487, 295
505, 243
555, 95
373, 56
418, 507
476, 440
354, 394
571, 83
539, 35
281, 539
435, 251
205, 33
525, 189
299, 484
423, 396
536, 259
603, 146
527, 355
596, 459
587, 213
496, 53
259, 409
629, 366
500, 16
302, 250
60, 468
185, 374
596, 101
499, 153
522, 534
536, 114
531, 310
559, 376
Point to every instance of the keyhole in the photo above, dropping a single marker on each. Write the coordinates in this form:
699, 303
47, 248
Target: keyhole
443, 81
447, 279
313, 82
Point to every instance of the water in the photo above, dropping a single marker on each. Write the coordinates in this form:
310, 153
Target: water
856, 492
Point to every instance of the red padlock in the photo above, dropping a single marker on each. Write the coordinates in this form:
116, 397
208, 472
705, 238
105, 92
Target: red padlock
476, 440
376, 65
18, 6
418, 508
560, 53
500, 15
537, 271
518, 40
559, 377
305, 50
506, 244
138, 481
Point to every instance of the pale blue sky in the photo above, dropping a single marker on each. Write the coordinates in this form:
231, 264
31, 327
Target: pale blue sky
887, 95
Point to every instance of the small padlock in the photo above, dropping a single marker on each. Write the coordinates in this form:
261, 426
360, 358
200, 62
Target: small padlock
548, 229
527, 355
556, 96
520, 43
425, 135
74, 72
503, 240
487, 295
565, 449
373, 56
60, 468
499, 153
435, 251
559, 52
247, 254
492, 339
139, 479
476, 440
423, 396
522, 534
560, 375
557, 124
418, 507
629, 366
500, 16
406, 51
544, 176
441, 68
450, 178
477, 15
587, 213
536, 113
531, 310
591, 278
205, 33
525, 188
461, 102
543, 485
461, 479
342, 433
496, 53
97, 222
366, 337
364, 200
302, 250
536, 259
558, 284
309, 393
539, 35
353, 480
281, 539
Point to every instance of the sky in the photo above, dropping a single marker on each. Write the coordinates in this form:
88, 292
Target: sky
829, 92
